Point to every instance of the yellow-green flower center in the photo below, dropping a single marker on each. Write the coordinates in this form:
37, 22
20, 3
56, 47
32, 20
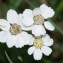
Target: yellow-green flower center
38, 19
15, 29
38, 43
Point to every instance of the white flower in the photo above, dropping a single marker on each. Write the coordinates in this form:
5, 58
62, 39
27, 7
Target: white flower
40, 46
12, 30
36, 19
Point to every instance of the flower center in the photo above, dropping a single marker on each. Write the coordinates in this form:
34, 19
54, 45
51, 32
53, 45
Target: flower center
15, 29
38, 43
38, 19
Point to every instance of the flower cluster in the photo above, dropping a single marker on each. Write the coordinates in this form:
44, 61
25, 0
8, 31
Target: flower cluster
14, 30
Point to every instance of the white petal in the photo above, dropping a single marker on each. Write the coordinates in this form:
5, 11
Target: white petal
43, 8
37, 54
46, 50
46, 11
19, 41
20, 19
27, 21
31, 39
38, 30
26, 37
12, 16
46, 38
49, 43
49, 26
4, 25
27, 13
3, 36
36, 11
27, 28
31, 50
11, 40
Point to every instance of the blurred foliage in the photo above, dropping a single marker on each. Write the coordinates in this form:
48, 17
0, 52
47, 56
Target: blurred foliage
20, 55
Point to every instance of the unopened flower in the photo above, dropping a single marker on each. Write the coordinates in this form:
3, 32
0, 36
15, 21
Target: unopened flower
12, 30
40, 46
36, 19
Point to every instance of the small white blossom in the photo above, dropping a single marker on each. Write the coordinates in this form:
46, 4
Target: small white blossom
36, 19
12, 30
40, 46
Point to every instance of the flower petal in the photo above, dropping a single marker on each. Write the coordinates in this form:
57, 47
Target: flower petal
19, 41
4, 25
49, 26
36, 11
43, 8
31, 50
46, 38
27, 13
47, 12
27, 28
12, 16
11, 40
37, 54
49, 43
46, 50
31, 39
3, 36
27, 21
26, 37
20, 19
38, 30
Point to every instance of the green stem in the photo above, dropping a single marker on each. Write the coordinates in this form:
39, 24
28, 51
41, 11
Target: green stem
8, 57
58, 28
30, 3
